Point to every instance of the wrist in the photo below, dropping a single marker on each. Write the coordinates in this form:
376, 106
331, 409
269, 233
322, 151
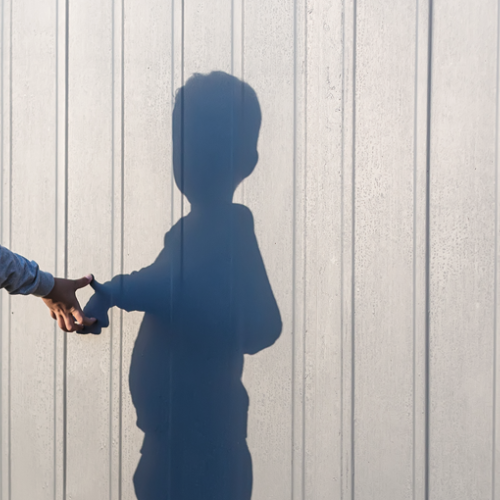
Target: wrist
46, 284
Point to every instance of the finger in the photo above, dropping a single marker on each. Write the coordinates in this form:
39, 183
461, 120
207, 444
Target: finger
69, 322
83, 281
82, 319
61, 324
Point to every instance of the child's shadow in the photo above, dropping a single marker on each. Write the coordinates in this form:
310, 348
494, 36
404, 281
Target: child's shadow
207, 301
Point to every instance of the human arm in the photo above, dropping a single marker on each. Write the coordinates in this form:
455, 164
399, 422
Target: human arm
18, 275
21, 276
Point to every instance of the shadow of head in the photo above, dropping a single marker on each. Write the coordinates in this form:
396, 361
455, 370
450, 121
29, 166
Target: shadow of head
215, 123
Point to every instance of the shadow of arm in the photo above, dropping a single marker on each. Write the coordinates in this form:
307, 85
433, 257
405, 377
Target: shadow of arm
259, 319
147, 290
262, 332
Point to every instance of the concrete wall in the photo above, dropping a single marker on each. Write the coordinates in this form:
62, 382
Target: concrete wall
375, 207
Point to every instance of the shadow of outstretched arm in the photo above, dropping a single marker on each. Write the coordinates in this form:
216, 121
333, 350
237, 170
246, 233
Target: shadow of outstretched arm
145, 290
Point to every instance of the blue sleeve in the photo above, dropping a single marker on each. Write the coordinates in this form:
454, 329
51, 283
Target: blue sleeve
21, 276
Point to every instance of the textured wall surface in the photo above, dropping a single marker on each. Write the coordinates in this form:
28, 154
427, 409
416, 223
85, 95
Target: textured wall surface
375, 207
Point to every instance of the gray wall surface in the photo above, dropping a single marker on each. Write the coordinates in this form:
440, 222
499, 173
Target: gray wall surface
375, 207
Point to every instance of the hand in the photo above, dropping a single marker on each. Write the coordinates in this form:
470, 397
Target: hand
64, 306
97, 307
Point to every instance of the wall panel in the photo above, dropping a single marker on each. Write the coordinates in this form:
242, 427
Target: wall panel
207, 38
462, 242
148, 180
5, 225
34, 340
323, 348
90, 226
383, 249
269, 193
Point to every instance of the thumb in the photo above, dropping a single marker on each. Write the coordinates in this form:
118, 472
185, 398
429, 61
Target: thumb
82, 319
82, 282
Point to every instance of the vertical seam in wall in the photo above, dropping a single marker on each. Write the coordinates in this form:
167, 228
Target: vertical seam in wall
234, 97
182, 137
9, 443
2, 76
414, 311
66, 177
2, 190
294, 242
122, 242
172, 96
2, 201
495, 266
231, 267
172, 206
182, 95
182, 152
242, 62
10, 243
56, 242
112, 253
182, 103
232, 37
66, 142
243, 40
304, 298
427, 253
353, 255
342, 160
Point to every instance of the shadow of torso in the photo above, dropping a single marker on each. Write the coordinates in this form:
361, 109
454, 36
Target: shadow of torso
208, 302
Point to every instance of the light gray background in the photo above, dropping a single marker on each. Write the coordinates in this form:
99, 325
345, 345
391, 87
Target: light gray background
376, 207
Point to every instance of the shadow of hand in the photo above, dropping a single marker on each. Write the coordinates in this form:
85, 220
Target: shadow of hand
98, 307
